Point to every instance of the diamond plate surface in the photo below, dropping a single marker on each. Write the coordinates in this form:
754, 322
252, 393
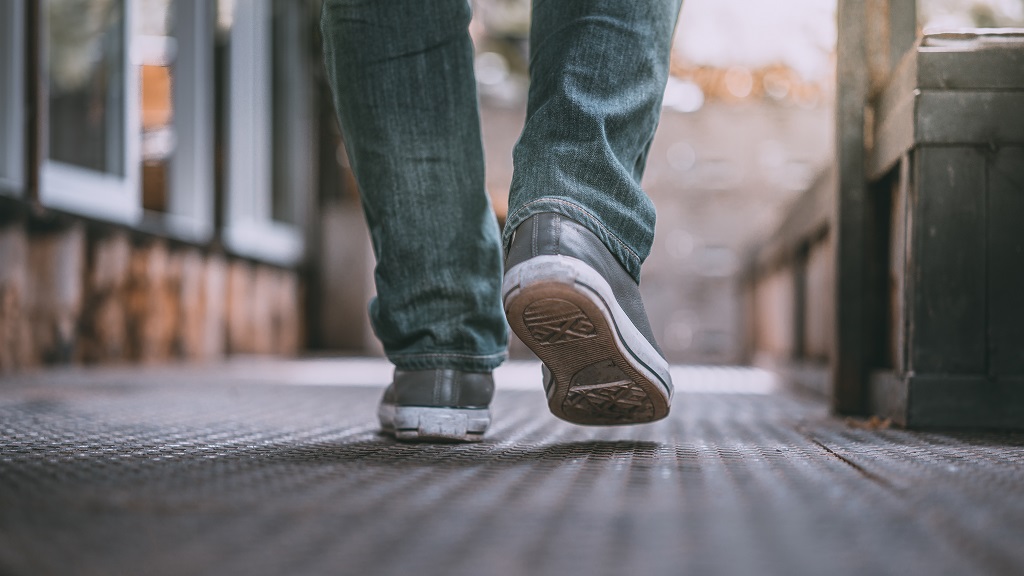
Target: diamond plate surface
199, 474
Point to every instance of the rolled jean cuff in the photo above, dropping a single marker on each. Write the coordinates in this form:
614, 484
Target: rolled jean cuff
622, 252
461, 362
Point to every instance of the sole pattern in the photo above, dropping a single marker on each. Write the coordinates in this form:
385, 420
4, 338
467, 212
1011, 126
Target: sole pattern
604, 391
594, 383
553, 321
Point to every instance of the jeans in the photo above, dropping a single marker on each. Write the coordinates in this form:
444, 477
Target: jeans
401, 72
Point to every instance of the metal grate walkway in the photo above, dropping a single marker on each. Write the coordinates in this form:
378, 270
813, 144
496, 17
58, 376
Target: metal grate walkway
200, 473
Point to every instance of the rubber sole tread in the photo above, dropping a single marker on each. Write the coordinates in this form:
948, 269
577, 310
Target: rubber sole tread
594, 381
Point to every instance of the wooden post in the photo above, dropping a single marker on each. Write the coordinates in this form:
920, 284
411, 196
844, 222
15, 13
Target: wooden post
849, 373
902, 29
874, 35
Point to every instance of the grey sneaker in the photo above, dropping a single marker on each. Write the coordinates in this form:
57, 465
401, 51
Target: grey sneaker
437, 406
577, 308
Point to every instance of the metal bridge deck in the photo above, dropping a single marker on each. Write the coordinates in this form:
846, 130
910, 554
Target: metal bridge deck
208, 472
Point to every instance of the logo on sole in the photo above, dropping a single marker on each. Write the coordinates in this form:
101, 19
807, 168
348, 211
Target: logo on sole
554, 321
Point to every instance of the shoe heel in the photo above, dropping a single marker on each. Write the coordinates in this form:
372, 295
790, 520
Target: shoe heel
414, 423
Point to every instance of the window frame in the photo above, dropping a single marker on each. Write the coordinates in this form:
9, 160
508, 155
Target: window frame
248, 226
12, 98
240, 212
190, 193
87, 192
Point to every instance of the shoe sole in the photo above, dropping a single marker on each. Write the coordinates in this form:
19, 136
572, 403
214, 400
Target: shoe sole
601, 369
429, 424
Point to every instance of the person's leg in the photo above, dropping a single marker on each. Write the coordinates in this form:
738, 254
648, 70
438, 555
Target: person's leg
402, 76
579, 225
598, 70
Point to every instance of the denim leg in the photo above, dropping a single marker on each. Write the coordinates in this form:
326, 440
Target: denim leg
402, 76
598, 70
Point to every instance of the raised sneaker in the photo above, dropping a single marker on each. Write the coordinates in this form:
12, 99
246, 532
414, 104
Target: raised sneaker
572, 303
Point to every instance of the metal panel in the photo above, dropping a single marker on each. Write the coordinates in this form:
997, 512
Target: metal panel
919, 106
965, 402
947, 333
970, 117
955, 103
1006, 261
990, 69
907, 117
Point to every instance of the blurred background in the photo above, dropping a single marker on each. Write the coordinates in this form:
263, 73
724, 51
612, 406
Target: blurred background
173, 186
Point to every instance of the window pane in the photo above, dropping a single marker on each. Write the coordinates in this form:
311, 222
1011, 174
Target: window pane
86, 55
11, 55
283, 68
156, 50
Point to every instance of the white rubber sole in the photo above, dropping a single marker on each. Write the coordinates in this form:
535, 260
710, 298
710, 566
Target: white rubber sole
425, 424
601, 369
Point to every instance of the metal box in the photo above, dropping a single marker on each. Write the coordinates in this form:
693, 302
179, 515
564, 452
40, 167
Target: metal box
945, 163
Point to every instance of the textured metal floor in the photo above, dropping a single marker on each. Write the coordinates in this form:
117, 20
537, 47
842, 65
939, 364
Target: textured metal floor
198, 474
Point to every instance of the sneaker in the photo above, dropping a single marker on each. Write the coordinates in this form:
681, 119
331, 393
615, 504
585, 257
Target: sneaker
440, 405
572, 303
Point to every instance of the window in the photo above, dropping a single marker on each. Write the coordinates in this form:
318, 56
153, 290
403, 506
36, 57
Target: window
91, 109
12, 55
129, 109
269, 148
173, 49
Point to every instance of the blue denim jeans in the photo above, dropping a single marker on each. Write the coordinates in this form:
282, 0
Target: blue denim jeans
402, 76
